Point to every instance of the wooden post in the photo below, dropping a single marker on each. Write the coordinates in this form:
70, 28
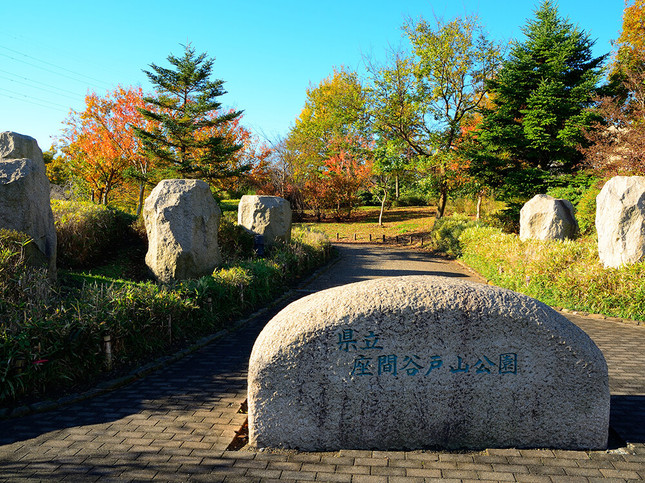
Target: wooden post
370, 237
107, 347
337, 236
383, 238
354, 236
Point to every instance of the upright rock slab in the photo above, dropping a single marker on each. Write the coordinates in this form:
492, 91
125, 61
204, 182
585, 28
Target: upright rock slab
620, 221
24, 195
181, 219
422, 362
544, 217
269, 216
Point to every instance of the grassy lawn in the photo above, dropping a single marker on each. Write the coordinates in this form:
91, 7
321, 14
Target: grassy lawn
403, 222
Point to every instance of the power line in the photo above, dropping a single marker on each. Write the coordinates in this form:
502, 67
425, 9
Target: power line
30, 43
34, 98
54, 65
30, 102
48, 70
75, 97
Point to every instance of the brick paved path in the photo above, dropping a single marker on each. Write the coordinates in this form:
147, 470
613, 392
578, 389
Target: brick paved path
176, 424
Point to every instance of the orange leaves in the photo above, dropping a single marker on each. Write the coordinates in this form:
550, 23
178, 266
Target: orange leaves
100, 142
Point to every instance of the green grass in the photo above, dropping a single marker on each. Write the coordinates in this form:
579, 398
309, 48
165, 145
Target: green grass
564, 274
51, 338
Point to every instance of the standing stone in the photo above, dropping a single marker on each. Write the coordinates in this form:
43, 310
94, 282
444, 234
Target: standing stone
181, 219
24, 195
420, 362
620, 221
269, 216
544, 217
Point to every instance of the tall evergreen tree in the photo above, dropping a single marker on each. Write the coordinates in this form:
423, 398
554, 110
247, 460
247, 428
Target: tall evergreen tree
191, 126
540, 99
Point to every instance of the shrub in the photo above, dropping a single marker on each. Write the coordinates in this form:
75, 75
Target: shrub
88, 232
446, 231
586, 211
561, 273
410, 200
508, 218
60, 344
234, 241
22, 286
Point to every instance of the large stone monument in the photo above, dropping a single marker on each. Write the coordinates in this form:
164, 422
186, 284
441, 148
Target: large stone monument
620, 221
24, 195
544, 217
269, 216
425, 362
181, 219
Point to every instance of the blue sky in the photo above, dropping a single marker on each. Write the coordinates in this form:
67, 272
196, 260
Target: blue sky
52, 53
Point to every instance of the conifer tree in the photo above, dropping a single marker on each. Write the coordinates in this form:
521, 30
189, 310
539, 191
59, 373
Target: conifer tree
540, 99
191, 126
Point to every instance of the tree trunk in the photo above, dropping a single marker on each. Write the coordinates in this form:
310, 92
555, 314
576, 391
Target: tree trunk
141, 192
479, 205
396, 187
441, 207
380, 216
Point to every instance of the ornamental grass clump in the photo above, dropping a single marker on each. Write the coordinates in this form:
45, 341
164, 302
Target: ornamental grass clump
565, 273
87, 232
446, 231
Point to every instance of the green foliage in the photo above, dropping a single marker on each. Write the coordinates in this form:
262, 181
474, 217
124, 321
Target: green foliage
508, 218
192, 126
447, 230
411, 199
424, 99
572, 187
54, 341
234, 241
539, 100
586, 211
88, 233
559, 273
22, 286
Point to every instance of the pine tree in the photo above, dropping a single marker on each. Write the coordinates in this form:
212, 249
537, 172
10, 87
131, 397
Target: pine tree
540, 100
191, 136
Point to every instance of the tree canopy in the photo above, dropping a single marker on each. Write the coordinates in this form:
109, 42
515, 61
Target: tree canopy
540, 99
424, 99
191, 126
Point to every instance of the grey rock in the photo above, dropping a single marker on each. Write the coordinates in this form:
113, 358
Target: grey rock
544, 217
421, 362
24, 195
269, 216
18, 146
181, 219
620, 221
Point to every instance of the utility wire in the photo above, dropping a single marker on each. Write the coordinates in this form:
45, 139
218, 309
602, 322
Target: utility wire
48, 70
30, 102
38, 82
56, 66
75, 98
31, 97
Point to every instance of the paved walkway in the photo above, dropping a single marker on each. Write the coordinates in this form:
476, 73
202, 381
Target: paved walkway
176, 424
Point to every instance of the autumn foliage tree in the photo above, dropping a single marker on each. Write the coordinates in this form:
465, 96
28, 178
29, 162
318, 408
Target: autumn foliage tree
617, 141
100, 144
327, 140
